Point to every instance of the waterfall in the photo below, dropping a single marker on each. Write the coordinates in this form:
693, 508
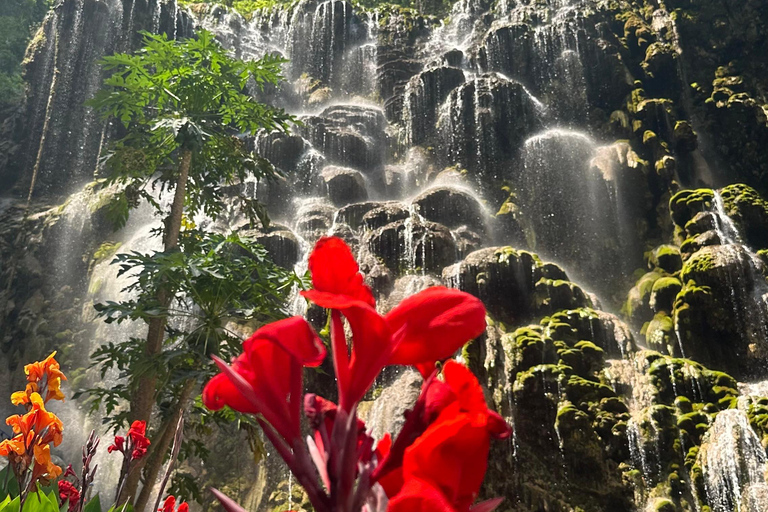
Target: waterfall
734, 465
504, 150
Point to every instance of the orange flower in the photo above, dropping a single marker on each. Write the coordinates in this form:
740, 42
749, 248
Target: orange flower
45, 424
49, 372
29, 451
16, 445
22, 397
44, 468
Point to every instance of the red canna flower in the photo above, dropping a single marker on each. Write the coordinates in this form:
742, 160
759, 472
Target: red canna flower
138, 440
427, 327
117, 445
432, 325
444, 442
438, 460
267, 378
67, 491
169, 505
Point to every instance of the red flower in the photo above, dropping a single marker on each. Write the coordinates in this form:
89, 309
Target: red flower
67, 491
432, 325
118, 445
336, 277
444, 443
169, 505
134, 443
138, 440
424, 328
267, 378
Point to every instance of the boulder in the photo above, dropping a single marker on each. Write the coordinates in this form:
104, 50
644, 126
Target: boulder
385, 214
451, 207
344, 186
353, 214
348, 135
411, 245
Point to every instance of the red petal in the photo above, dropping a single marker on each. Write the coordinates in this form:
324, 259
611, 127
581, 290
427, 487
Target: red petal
335, 271
383, 447
420, 496
453, 455
295, 336
433, 324
371, 349
220, 391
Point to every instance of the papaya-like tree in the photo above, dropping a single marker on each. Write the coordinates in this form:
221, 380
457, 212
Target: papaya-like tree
179, 109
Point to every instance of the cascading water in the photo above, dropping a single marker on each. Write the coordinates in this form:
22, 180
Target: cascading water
734, 465
428, 146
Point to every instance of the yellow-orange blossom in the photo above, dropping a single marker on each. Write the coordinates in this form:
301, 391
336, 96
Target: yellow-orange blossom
30, 448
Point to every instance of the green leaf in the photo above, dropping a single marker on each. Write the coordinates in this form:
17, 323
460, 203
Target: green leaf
10, 506
93, 505
37, 501
8, 483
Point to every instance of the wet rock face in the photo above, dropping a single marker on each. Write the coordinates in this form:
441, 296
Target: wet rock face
484, 121
707, 298
722, 309
324, 31
353, 214
74, 36
385, 214
284, 151
451, 207
514, 285
574, 47
423, 96
344, 185
349, 135
314, 219
413, 244
279, 241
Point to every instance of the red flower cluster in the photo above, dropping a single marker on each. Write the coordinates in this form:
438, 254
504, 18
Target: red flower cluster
169, 505
439, 459
68, 491
137, 442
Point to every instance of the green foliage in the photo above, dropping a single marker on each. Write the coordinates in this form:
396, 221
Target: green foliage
216, 279
18, 20
42, 499
188, 94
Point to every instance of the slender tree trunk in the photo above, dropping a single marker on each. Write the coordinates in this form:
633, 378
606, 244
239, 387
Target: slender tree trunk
143, 398
162, 444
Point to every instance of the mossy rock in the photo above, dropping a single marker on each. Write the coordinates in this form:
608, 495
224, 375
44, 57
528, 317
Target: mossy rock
637, 307
660, 334
664, 292
667, 258
686, 203
663, 505
749, 212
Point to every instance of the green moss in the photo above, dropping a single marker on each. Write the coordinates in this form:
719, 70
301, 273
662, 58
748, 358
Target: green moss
700, 263
667, 258
749, 212
664, 505
660, 334
686, 203
106, 251
579, 389
664, 292
637, 305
